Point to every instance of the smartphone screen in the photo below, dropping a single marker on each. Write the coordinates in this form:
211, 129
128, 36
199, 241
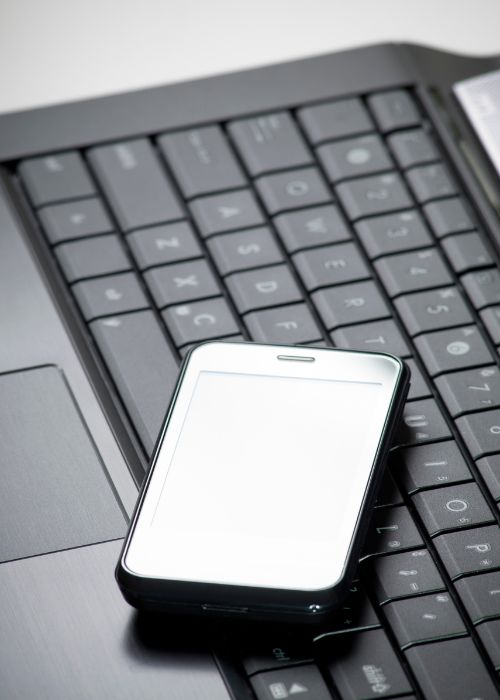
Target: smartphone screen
261, 474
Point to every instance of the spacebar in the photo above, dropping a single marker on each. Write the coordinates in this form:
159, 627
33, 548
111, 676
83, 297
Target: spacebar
142, 365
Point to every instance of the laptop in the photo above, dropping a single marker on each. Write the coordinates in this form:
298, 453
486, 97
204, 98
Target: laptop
348, 200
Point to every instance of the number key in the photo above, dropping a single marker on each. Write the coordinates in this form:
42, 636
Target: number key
471, 390
393, 233
373, 195
432, 310
481, 432
458, 348
411, 272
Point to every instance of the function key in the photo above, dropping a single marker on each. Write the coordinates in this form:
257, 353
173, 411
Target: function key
260, 289
135, 184
311, 227
412, 147
480, 595
394, 109
92, 257
65, 222
406, 574
448, 216
56, 178
410, 272
481, 432
469, 551
286, 325
452, 507
269, 142
373, 195
491, 319
226, 212
201, 161
111, 295
173, 284
466, 252
350, 303
380, 336
472, 390
287, 682
239, 251
335, 120
424, 619
428, 311
458, 348
292, 190
489, 468
391, 530
200, 320
436, 464
451, 669
422, 421
431, 182
393, 233
365, 666
331, 265
159, 245
353, 157
483, 288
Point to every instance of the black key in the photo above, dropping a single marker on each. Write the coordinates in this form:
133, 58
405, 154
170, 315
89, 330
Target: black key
142, 366
438, 464
483, 288
411, 272
311, 227
466, 252
489, 468
137, 188
65, 222
173, 284
406, 574
469, 551
448, 216
269, 142
201, 320
471, 390
260, 289
432, 310
431, 182
394, 109
373, 195
389, 494
424, 619
110, 295
452, 507
459, 348
93, 257
412, 147
419, 389
363, 155
225, 339
481, 432
56, 178
335, 264
480, 595
391, 530
159, 245
365, 666
287, 325
380, 336
491, 319
450, 670
393, 233
356, 613
422, 422
490, 637
226, 212
201, 161
240, 251
273, 651
350, 303
287, 682
335, 120
292, 190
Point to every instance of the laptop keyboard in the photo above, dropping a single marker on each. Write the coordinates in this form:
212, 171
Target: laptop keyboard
332, 224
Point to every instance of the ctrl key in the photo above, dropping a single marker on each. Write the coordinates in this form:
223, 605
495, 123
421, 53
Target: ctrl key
301, 681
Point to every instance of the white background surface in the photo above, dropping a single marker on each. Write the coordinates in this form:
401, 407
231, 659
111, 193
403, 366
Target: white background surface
58, 50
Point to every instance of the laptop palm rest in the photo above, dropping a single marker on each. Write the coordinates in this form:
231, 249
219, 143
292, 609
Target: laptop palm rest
55, 493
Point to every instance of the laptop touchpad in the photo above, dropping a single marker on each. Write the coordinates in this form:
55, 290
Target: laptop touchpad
54, 493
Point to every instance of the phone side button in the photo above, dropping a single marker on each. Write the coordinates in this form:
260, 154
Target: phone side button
305, 681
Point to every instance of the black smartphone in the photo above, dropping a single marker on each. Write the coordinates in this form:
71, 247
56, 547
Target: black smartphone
262, 481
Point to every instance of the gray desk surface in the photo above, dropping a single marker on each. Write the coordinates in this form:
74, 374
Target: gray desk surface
60, 50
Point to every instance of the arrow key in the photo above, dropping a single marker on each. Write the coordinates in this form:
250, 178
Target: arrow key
296, 682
